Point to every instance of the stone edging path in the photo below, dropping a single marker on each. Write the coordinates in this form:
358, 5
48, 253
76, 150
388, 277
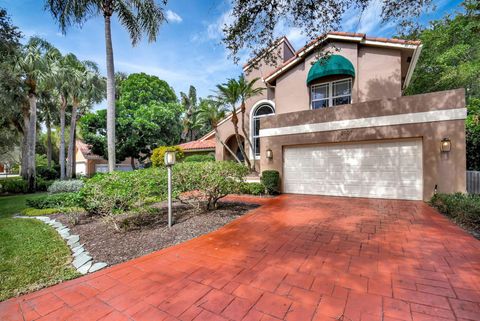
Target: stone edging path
82, 261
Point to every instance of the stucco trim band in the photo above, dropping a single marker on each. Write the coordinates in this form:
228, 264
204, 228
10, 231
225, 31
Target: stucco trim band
410, 118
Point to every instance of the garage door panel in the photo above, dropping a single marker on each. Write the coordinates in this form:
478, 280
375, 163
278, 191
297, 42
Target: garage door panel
382, 170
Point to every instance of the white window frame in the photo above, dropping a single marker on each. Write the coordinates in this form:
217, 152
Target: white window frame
330, 97
252, 123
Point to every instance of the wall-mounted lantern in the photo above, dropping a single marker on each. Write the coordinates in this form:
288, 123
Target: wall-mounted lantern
446, 145
169, 160
269, 154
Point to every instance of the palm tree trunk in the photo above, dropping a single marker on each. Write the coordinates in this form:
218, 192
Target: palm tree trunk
61, 158
26, 124
132, 163
217, 137
71, 143
74, 160
32, 133
49, 140
237, 136
246, 135
110, 96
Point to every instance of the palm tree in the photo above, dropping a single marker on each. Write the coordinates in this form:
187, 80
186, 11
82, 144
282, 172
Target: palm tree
48, 114
190, 124
247, 91
32, 66
229, 94
210, 113
136, 16
87, 87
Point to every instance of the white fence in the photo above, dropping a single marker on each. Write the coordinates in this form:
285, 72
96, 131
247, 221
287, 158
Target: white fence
473, 182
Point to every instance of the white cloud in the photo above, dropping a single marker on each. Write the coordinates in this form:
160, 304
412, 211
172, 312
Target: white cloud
369, 21
173, 17
215, 29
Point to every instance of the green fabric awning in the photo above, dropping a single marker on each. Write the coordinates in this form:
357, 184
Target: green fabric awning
333, 65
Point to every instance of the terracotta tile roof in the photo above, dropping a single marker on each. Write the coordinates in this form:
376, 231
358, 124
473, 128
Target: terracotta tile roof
86, 151
344, 34
198, 144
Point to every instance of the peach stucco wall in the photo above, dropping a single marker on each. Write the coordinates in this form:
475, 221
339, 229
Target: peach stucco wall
447, 171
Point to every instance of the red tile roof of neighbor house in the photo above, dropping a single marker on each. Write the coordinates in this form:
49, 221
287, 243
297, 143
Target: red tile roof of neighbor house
199, 145
86, 151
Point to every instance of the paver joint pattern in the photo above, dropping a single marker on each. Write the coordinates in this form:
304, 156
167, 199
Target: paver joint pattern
294, 258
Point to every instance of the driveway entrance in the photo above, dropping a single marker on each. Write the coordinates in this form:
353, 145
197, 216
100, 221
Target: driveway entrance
294, 258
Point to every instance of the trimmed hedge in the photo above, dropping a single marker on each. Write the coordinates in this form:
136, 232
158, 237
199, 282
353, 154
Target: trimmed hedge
158, 155
199, 158
271, 180
13, 185
464, 209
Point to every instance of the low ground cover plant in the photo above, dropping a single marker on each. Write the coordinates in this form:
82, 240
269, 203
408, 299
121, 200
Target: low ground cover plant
17, 185
73, 185
252, 188
61, 200
464, 209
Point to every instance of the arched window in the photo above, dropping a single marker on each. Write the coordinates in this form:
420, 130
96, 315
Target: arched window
259, 112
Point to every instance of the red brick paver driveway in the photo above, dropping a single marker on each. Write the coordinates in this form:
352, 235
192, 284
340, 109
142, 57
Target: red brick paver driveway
294, 258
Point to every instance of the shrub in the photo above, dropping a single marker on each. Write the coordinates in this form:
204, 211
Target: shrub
271, 180
199, 158
74, 185
158, 155
55, 201
47, 173
107, 194
42, 185
210, 180
13, 185
464, 209
253, 188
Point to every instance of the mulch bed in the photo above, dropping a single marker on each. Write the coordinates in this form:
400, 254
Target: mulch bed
148, 232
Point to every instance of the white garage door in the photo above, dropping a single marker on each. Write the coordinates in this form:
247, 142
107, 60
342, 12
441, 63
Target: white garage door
378, 170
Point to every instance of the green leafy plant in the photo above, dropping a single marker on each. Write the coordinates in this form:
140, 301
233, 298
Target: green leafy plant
158, 155
39, 212
13, 186
55, 201
42, 184
208, 182
464, 209
199, 158
47, 173
271, 180
253, 188
66, 186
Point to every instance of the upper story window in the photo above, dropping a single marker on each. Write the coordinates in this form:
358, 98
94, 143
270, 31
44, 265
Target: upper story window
259, 112
331, 94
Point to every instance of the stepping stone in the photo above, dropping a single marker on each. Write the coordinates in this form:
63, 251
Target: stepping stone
73, 239
84, 268
76, 248
42, 218
78, 252
81, 260
73, 245
58, 225
97, 266
66, 229
51, 222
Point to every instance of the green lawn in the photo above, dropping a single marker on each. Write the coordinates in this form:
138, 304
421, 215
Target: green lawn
32, 254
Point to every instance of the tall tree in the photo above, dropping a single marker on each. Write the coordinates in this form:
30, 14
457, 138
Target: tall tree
87, 87
247, 90
148, 115
48, 107
229, 94
255, 23
32, 66
190, 124
210, 113
137, 17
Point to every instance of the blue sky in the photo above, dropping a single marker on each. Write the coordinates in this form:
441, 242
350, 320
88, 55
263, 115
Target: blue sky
188, 50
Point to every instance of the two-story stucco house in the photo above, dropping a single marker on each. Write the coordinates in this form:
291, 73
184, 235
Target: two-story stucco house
342, 127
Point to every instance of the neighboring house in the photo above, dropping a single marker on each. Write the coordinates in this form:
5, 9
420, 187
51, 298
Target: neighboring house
88, 163
202, 146
342, 127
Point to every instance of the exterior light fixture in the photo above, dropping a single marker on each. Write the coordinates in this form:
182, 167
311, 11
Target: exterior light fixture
446, 145
269, 154
169, 159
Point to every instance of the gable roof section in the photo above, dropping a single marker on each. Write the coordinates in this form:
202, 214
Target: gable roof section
275, 44
198, 145
345, 36
86, 151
